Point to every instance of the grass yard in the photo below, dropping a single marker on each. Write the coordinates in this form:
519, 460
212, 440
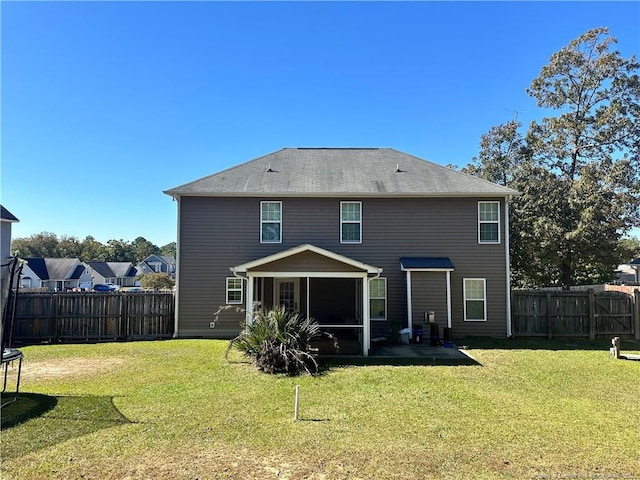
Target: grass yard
178, 410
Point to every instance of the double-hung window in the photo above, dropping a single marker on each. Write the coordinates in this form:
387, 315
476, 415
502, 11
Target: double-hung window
350, 222
489, 222
378, 298
270, 222
234, 290
475, 299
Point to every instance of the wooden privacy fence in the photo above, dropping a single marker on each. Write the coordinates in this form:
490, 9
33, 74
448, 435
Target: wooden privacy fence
91, 316
575, 314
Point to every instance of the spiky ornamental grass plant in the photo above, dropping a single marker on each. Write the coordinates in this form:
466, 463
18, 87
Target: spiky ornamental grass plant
278, 341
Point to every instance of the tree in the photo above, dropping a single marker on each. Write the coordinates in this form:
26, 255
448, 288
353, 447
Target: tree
577, 172
93, 251
43, 244
68, 247
169, 250
143, 248
503, 152
156, 280
629, 249
120, 251
590, 151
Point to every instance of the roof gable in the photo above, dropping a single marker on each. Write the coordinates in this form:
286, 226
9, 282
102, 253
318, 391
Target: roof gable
7, 216
38, 267
340, 172
122, 269
304, 249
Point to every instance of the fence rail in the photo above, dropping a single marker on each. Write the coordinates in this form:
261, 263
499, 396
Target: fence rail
91, 316
576, 314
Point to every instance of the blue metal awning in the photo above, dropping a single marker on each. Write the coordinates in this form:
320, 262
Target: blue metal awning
426, 263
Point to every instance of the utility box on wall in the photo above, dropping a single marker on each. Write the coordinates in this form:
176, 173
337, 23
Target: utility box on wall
430, 317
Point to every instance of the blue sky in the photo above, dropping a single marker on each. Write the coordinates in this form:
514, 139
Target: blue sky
107, 104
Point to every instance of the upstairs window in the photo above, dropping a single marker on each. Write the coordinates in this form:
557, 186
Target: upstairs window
489, 222
350, 222
270, 222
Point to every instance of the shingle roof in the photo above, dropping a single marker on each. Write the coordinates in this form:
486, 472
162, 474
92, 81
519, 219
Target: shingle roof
7, 215
102, 268
428, 263
60, 268
53, 268
340, 172
122, 269
77, 273
38, 267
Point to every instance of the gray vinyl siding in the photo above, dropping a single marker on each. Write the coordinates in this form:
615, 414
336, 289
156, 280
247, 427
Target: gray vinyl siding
5, 240
218, 233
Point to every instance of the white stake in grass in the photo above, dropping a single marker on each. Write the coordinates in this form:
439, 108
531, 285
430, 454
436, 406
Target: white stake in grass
295, 406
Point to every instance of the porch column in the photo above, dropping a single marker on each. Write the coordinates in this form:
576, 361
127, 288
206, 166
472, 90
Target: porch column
366, 327
249, 307
409, 305
448, 272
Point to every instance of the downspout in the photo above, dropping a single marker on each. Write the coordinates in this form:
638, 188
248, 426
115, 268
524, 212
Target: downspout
249, 303
507, 263
176, 301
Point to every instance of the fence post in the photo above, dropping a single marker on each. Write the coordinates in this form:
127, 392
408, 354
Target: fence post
56, 325
636, 313
548, 313
592, 315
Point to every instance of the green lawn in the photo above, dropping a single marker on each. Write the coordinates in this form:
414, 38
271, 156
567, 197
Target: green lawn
179, 410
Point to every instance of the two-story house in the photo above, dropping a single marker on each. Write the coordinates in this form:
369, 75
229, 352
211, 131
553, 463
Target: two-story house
157, 263
6, 219
358, 238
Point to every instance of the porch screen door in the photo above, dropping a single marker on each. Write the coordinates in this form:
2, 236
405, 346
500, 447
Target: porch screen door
287, 293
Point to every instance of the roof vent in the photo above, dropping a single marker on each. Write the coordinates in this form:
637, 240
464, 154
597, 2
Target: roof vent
398, 168
270, 169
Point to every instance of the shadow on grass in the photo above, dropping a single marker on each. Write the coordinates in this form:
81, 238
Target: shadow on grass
326, 363
538, 343
37, 421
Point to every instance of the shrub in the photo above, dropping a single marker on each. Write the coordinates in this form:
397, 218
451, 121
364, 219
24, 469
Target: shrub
156, 280
277, 341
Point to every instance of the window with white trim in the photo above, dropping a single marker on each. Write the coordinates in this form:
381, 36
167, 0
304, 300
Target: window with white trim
350, 222
489, 222
270, 222
475, 299
378, 298
234, 290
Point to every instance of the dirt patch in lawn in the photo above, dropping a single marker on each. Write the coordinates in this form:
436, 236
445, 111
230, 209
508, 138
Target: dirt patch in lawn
69, 367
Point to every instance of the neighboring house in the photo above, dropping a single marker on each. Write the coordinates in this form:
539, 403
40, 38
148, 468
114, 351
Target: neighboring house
6, 219
629, 272
158, 264
123, 274
364, 240
54, 274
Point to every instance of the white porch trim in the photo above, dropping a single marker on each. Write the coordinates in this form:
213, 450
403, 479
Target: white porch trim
447, 268
361, 271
